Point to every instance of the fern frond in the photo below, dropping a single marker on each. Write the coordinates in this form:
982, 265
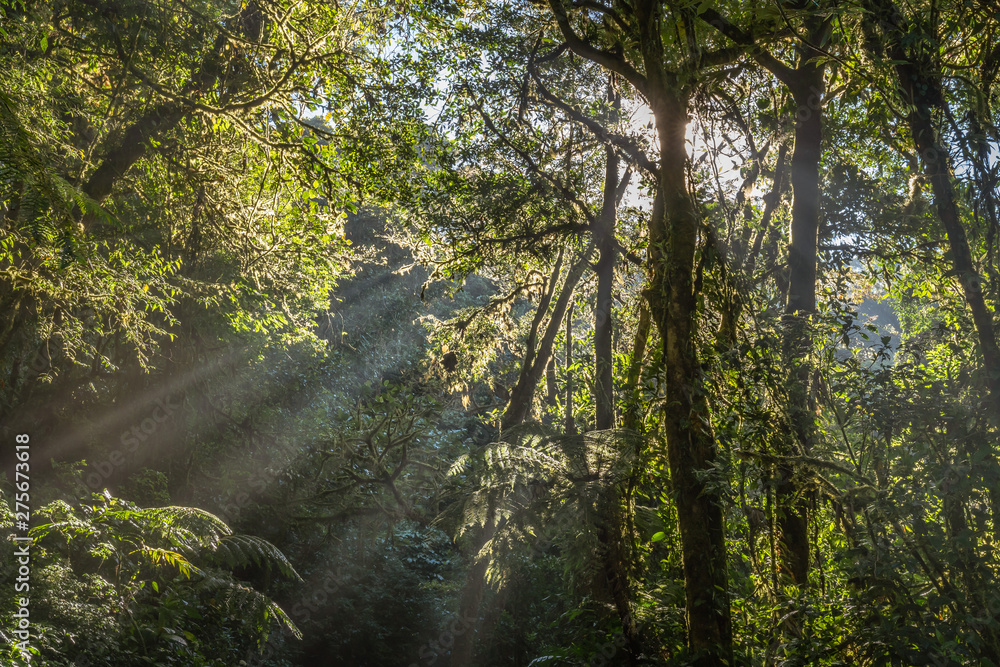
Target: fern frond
242, 550
239, 598
157, 556
461, 465
189, 527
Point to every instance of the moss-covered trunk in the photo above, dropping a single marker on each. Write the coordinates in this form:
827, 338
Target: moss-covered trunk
691, 446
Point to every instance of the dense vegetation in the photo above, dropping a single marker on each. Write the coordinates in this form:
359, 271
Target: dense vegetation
562, 332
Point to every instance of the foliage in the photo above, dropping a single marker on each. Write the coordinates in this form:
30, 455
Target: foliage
150, 586
295, 262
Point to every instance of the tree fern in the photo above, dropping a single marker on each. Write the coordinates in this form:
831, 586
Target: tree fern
238, 599
542, 486
146, 544
242, 550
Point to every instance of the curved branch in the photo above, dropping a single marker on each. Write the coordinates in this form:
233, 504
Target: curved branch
604, 9
607, 59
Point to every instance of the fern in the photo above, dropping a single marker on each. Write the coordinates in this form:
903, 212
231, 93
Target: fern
237, 598
537, 484
241, 550
197, 544
172, 558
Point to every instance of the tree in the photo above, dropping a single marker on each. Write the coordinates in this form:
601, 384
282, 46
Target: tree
807, 84
180, 166
670, 70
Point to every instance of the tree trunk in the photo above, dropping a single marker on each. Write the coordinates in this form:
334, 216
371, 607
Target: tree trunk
518, 409
771, 201
919, 82
158, 121
532, 369
615, 528
551, 388
604, 236
807, 85
921, 91
569, 421
673, 235
116, 162
522, 392
633, 410
613, 534
673, 238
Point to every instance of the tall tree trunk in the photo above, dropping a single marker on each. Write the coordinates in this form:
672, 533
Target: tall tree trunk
922, 91
569, 423
613, 534
532, 367
604, 235
919, 82
691, 447
615, 528
808, 86
551, 387
633, 415
673, 239
632, 420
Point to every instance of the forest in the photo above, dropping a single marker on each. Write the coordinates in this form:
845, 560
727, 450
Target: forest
469, 333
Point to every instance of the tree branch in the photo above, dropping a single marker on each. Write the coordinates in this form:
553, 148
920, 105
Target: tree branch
568, 194
783, 72
607, 59
627, 145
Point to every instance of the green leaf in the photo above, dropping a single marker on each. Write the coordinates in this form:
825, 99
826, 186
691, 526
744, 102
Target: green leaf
657, 537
